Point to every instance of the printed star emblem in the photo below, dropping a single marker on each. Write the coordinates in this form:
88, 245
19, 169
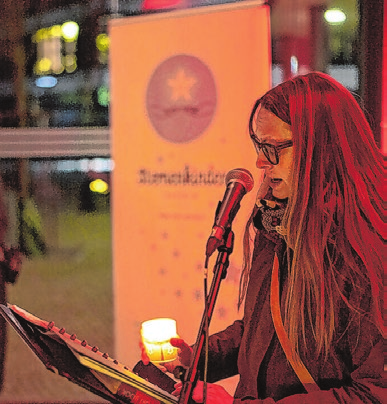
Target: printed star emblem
181, 86
178, 293
222, 312
197, 294
162, 271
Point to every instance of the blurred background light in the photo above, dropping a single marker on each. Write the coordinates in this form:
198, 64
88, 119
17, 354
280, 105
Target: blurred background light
99, 186
334, 16
46, 82
160, 4
103, 96
294, 65
102, 41
70, 30
43, 65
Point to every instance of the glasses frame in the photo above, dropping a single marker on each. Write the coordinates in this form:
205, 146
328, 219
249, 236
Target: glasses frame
266, 146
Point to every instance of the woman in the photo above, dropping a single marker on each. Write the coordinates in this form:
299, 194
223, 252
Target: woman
318, 242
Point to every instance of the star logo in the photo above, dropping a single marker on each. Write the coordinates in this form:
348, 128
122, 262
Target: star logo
181, 86
181, 98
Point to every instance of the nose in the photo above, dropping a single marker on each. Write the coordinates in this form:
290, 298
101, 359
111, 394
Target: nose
262, 161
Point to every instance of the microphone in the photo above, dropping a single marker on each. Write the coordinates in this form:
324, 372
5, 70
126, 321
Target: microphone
239, 181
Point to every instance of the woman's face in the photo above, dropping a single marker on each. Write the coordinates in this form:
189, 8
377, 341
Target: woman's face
272, 130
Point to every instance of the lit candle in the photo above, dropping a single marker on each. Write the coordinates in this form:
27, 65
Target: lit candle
156, 334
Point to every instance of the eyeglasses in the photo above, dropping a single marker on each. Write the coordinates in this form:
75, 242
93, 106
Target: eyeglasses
270, 151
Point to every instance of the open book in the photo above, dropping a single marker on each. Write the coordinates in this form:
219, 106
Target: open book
86, 366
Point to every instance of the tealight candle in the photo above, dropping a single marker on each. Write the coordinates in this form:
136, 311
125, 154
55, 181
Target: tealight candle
156, 334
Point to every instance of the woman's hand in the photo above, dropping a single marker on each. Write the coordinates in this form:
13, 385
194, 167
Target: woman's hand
215, 394
184, 355
184, 351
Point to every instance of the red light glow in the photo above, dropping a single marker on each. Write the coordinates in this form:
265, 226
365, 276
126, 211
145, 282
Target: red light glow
160, 4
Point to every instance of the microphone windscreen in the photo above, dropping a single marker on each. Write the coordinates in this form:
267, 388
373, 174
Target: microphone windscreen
242, 176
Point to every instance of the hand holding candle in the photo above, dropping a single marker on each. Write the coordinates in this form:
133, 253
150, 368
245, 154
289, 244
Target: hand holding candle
155, 335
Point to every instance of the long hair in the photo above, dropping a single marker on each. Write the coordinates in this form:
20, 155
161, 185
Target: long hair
334, 213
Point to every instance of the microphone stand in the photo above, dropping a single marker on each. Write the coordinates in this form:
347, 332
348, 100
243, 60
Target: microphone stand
220, 272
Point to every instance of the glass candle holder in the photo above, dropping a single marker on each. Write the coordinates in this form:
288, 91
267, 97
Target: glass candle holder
155, 335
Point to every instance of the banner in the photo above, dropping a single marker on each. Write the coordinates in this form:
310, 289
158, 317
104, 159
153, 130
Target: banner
183, 84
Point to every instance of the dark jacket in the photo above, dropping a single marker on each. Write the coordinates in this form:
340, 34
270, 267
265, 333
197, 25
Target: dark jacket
350, 374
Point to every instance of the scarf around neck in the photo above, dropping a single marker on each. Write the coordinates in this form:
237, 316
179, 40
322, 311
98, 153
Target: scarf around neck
269, 216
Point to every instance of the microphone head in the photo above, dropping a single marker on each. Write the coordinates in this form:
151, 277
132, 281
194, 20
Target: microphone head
242, 176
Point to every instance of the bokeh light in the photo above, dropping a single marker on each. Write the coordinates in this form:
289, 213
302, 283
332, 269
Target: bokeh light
334, 16
70, 30
99, 186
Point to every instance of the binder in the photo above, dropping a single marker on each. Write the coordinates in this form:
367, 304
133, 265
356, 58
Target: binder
83, 364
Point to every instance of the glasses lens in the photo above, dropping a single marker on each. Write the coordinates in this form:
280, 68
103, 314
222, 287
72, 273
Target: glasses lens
256, 144
270, 154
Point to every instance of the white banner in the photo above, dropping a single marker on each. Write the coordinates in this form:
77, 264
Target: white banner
183, 84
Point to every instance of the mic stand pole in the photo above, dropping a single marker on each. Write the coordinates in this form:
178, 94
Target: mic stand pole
220, 272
